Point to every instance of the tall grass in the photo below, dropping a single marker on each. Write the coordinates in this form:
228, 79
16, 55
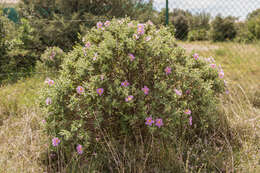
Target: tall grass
232, 147
241, 63
21, 136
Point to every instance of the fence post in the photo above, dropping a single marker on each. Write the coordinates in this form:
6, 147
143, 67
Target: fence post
167, 13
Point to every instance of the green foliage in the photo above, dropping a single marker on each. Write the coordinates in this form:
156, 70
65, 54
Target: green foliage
79, 116
51, 60
180, 19
171, 29
254, 26
198, 35
58, 22
253, 14
223, 29
243, 34
16, 54
199, 21
184, 22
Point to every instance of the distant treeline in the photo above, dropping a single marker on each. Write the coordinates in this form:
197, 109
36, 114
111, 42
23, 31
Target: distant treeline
202, 26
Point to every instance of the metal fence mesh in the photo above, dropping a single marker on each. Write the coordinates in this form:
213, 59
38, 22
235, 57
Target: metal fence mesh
102, 10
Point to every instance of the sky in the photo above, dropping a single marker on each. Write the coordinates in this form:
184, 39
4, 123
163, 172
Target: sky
237, 8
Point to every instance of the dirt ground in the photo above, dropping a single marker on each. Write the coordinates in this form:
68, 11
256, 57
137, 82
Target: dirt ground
189, 47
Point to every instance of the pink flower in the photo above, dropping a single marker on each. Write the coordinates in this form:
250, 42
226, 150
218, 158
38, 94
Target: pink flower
55, 141
178, 92
48, 101
79, 149
221, 74
107, 23
145, 89
100, 91
207, 59
136, 36
129, 98
159, 122
187, 112
148, 38
80, 90
50, 82
124, 84
196, 56
168, 70
131, 56
149, 121
43, 121
213, 65
188, 92
140, 29
99, 25
227, 92
87, 45
190, 120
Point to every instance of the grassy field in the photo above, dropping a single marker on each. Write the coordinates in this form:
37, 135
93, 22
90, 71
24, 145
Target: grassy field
22, 140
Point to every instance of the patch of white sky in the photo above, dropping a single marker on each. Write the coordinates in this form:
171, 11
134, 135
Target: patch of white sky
237, 8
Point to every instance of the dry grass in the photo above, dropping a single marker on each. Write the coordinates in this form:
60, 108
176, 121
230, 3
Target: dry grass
21, 136
241, 64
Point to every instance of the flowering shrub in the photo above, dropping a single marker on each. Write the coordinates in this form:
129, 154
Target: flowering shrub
128, 78
52, 58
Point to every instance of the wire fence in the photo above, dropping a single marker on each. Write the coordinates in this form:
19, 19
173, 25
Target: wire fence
190, 19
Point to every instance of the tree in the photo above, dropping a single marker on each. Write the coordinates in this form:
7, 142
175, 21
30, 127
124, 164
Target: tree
223, 28
58, 22
253, 23
180, 19
255, 13
200, 21
254, 26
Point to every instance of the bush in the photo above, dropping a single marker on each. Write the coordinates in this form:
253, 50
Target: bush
223, 29
254, 27
180, 19
128, 80
17, 58
51, 59
244, 36
197, 35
